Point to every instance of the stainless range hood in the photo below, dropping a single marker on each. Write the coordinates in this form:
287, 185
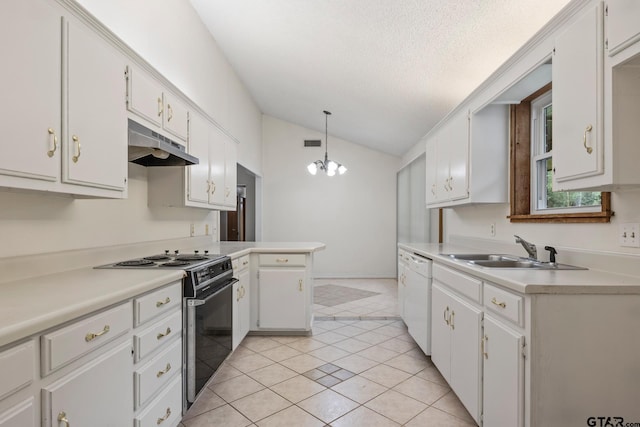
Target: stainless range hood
149, 148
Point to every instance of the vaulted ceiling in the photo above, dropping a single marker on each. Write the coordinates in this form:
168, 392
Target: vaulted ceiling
388, 70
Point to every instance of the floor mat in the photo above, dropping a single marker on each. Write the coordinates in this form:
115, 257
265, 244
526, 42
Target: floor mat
330, 295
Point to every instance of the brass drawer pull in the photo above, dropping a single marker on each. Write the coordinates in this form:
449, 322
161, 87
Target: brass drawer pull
62, 418
91, 335
170, 112
282, 260
162, 335
483, 345
300, 285
445, 314
166, 416
501, 304
453, 314
161, 303
167, 369
584, 139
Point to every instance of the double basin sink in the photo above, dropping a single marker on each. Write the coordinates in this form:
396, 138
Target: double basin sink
508, 261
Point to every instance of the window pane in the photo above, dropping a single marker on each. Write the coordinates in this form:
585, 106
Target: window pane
566, 199
547, 114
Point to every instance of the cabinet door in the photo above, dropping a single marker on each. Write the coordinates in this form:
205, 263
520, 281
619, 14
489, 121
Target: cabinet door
230, 173
175, 118
145, 96
99, 394
236, 314
30, 83
440, 330
503, 380
578, 100
198, 175
466, 364
622, 24
431, 170
281, 298
458, 149
217, 166
95, 142
245, 304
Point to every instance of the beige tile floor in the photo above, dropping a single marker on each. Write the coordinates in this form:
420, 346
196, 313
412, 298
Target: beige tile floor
358, 368
382, 305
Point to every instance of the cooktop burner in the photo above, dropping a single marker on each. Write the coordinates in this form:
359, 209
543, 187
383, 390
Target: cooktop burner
167, 260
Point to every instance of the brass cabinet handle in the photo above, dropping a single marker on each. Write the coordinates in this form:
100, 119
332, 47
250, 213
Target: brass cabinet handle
238, 295
160, 107
453, 313
501, 304
227, 191
162, 335
93, 335
169, 112
433, 189
62, 418
54, 139
282, 260
300, 285
76, 141
483, 347
584, 139
167, 369
445, 314
166, 416
242, 293
213, 187
161, 303
245, 262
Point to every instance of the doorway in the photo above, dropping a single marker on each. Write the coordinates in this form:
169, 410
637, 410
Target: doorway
243, 223
237, 220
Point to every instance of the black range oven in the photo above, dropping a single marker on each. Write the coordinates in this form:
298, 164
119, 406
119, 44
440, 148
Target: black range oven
208, 318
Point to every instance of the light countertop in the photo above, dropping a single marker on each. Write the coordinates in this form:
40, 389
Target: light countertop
30, 305
531, 281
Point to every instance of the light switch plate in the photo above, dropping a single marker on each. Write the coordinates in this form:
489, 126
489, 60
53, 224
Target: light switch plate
630, 235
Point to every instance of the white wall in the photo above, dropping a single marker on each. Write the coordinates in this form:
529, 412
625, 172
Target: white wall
353, 214
34, 222
172, 38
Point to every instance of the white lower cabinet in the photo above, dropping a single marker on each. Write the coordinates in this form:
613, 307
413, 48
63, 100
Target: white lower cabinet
98, 394
241, 300
455, 351
417, 301
282, 300
503, 379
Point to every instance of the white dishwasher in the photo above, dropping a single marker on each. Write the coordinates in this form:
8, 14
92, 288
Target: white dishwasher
417, 306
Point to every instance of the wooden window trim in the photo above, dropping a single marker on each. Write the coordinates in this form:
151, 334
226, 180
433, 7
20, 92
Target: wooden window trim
520, 173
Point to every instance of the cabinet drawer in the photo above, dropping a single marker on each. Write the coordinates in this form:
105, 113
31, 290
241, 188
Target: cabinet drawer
272, 260
152, 376
166, 409
504, 303
16, 368
151, 338
69, 343
461, 283
242, 262
156, 303
22, 415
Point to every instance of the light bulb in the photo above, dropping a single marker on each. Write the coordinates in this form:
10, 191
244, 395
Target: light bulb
312, 168
341, 170
332, 166
331, 172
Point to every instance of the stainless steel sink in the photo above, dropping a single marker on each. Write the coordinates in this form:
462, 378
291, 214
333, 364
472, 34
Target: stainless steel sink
508, 262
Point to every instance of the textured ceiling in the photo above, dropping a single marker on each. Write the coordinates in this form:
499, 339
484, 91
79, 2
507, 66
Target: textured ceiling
388, 70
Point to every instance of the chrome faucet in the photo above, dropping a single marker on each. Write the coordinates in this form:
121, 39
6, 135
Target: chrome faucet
529, 247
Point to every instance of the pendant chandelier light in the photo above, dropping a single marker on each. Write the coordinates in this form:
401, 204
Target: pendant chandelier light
328, 166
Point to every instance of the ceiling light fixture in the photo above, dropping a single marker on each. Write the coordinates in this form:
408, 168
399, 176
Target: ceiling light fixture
328, 166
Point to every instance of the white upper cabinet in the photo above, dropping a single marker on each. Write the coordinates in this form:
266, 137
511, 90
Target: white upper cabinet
149, 100
230, 173
96, 137
578, 145
68, 124
623, 29
467, 158
33, 139
198, 175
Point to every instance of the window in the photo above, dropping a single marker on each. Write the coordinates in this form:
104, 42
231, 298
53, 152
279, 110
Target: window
543, 199
532, 196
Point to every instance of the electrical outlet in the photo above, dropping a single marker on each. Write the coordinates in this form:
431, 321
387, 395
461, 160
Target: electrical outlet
629, 235
492, 229
192, 231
